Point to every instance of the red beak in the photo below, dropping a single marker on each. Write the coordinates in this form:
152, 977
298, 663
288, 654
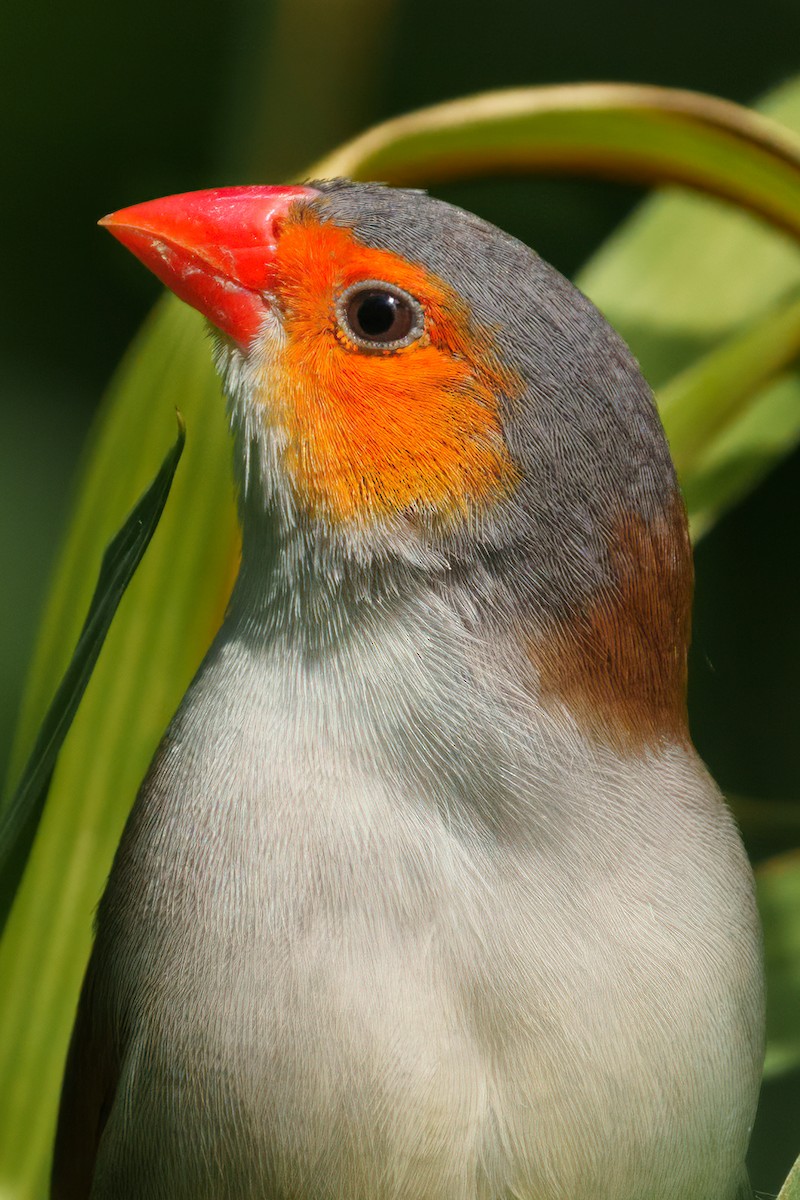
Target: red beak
214, 249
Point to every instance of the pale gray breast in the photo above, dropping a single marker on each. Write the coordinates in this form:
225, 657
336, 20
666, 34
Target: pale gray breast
369, 917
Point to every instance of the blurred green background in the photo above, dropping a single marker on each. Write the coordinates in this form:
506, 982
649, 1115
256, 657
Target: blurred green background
107, 105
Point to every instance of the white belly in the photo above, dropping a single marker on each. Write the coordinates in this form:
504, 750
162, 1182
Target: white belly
329, 982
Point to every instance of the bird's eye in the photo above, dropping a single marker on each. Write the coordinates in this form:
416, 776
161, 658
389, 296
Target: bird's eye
379, 316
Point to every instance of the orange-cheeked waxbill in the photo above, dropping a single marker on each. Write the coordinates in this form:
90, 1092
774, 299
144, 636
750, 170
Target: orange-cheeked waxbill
426, 894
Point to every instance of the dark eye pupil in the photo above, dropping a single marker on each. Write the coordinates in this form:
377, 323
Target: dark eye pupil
376, 313
380, 317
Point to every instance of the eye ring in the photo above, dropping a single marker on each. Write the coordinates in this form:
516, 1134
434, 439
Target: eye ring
378, 316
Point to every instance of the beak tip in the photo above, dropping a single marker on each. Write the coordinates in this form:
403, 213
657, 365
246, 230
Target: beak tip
109, 222
215, 248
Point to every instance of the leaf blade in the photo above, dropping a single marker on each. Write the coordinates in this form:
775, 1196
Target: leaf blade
151, 652
20, 817
743, 453
702, 400
778, 883
791, 1188
619, 131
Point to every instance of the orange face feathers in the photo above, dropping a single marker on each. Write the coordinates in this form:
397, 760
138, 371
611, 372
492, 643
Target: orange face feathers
368, 429
375, 431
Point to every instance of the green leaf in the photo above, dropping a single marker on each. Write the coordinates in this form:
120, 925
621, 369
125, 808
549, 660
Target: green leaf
164, 623
779, 904
743, 453
620, 131
791, 1188
20, 817
683, 277
725, 430
702, 400
685, 272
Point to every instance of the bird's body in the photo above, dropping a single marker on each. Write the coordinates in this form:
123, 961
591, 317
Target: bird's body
426, 893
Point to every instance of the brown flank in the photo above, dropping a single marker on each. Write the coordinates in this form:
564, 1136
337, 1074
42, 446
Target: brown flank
619, 664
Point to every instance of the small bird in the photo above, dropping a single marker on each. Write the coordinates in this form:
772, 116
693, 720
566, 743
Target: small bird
426, 894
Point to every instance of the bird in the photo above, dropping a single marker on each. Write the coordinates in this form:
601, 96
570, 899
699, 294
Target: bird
426, 892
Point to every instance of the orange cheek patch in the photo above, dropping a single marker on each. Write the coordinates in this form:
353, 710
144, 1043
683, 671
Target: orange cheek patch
372, 433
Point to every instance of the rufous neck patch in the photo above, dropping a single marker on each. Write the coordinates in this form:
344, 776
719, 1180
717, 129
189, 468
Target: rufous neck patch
371, 434
619, 664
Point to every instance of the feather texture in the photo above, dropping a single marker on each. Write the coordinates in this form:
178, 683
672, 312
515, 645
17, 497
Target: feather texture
426, 893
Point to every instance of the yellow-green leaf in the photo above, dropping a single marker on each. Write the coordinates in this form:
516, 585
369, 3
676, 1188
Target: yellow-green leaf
743, 452
779, 904
791, 1188
166, 619
685, 271
703, 399
725, 426
619, 131
20, 817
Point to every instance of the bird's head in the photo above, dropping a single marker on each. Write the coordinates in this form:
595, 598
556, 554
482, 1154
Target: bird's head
410, 385
367, 373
